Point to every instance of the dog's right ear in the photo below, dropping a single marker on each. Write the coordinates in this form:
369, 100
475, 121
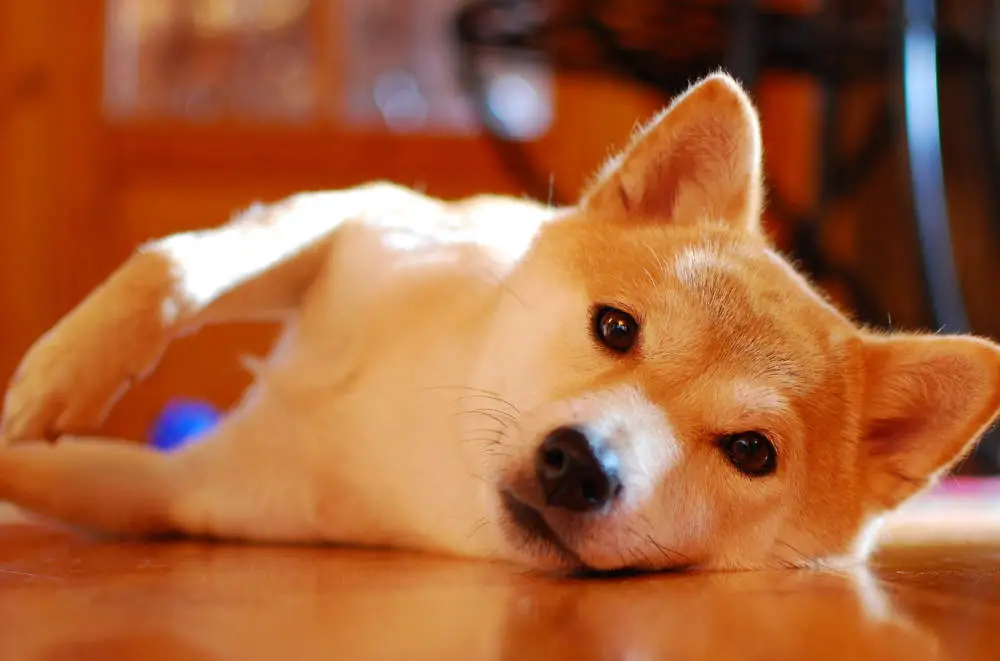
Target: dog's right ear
700, 160
927, 401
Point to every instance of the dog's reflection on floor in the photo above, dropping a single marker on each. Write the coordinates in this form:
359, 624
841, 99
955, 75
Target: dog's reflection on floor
222, 602
754, 615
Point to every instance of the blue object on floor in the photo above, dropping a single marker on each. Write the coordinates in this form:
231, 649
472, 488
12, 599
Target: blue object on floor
182, 421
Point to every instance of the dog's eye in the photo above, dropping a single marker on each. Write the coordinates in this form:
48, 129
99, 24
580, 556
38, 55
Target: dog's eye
750, 452
615, 329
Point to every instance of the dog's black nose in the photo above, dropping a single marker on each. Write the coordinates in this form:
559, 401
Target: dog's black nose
576, 473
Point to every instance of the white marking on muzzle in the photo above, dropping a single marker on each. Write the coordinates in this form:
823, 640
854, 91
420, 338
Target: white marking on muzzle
639, 432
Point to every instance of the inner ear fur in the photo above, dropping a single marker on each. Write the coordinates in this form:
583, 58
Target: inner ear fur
927, 401
699, 160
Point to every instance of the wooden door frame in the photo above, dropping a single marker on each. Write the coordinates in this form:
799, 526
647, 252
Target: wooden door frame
51, 168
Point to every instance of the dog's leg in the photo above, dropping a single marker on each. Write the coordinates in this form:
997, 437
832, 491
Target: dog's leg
255, 268
101, 484
206, 489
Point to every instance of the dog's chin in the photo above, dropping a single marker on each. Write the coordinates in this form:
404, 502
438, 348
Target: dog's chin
541, 547
528, 530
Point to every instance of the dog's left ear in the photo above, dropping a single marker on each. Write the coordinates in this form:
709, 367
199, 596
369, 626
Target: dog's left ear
927, 399
700, 160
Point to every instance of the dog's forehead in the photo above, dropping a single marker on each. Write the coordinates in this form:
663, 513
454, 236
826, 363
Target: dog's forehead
737, 303
712, 293
732, 284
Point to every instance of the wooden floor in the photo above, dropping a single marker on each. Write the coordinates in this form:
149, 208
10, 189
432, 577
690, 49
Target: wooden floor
63, 597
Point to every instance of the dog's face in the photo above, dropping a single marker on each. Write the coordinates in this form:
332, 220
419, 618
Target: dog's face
683, 397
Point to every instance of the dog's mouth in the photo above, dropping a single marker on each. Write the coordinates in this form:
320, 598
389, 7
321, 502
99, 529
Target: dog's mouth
535, 528
535, 531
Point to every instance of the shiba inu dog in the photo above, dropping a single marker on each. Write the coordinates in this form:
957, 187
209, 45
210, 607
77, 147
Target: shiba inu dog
639, 381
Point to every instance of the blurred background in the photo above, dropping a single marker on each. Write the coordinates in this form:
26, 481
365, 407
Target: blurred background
123, 120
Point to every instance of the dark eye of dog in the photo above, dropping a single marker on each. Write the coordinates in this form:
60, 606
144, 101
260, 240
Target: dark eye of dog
750, 452
615, 329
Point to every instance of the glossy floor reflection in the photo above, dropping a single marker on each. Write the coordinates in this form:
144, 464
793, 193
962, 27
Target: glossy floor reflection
63, 597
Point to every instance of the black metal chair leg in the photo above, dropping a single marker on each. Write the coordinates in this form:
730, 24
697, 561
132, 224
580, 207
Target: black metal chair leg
930, 201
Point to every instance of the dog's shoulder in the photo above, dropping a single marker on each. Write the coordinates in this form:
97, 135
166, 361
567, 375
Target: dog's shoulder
486, 220
401, 227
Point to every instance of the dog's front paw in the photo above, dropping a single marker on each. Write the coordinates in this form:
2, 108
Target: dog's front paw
69, 380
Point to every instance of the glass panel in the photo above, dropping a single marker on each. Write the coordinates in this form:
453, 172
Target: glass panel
390, 64
402, 72
206, 59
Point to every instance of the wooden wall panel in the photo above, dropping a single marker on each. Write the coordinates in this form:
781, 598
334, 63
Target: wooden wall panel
26, 204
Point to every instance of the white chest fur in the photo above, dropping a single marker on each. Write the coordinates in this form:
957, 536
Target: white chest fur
374, 371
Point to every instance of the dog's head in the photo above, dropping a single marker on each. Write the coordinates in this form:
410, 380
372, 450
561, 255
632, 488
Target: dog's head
683, 396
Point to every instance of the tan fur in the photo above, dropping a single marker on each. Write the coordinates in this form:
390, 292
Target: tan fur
430, 346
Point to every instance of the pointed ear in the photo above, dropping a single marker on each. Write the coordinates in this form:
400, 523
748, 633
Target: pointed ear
927, 401
699, 160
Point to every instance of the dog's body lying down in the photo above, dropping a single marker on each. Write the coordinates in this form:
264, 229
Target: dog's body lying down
638, 381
